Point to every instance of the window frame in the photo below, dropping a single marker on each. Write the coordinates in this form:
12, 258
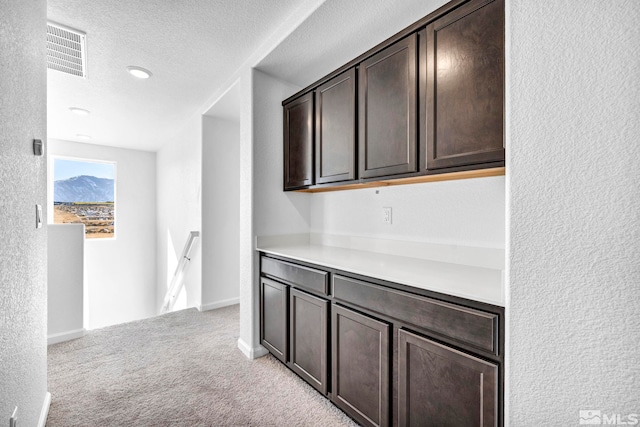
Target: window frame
50, 190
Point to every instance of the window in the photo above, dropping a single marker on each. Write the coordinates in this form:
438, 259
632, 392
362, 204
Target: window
84, 192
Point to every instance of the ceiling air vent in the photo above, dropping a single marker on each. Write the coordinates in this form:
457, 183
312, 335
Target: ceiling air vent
66, 50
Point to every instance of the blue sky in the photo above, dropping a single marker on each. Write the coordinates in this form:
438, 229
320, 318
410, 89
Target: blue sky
65, 168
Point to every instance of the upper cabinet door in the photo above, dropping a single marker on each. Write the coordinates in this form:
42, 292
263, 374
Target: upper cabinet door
336, 129
298, 142
465, 86
387, 111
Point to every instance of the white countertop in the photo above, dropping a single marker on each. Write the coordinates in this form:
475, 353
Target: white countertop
478, 283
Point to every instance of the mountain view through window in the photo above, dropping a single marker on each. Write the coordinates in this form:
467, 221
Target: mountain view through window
84, 192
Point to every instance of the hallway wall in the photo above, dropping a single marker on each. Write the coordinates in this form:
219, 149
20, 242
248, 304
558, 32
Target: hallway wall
121, 272
220, 212
573, 211
23, 183
179, 211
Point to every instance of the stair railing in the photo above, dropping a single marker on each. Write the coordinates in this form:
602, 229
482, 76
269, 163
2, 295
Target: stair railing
177, 281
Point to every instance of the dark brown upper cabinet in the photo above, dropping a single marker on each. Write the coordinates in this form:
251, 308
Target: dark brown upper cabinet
427, 101
298, 142
336, 129
464, 54
388, 111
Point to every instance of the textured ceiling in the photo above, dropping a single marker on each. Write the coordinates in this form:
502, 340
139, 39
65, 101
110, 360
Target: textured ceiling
190, 46
339, 31
193, 47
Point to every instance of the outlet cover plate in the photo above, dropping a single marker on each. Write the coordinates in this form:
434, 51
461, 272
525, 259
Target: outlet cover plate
386, 215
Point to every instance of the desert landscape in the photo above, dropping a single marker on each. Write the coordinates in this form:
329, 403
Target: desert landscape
98, 218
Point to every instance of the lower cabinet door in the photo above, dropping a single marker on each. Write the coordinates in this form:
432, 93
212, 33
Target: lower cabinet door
441, 386
360, 366
308, 338
274, 302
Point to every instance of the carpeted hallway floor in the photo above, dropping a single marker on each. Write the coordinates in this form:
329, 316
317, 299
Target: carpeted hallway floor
180, 369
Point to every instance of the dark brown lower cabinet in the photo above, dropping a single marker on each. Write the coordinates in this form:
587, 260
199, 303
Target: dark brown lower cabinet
441, 386
385, 356
360, 366
308, 338
274, 302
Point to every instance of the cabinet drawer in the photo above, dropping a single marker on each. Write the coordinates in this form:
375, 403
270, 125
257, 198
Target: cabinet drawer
296, 275
466, 325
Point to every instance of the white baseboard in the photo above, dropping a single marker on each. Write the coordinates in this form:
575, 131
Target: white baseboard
219, 304
44, 413
251, 353
65, 336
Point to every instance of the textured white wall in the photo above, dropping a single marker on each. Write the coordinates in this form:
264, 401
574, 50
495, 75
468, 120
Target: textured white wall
179, 179
248, 322
220, 211
273, 211
120, 272
573, 210
23, 183
465, 212
65, 281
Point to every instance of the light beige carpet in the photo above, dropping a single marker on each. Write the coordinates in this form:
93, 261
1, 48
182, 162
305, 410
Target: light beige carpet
180, 369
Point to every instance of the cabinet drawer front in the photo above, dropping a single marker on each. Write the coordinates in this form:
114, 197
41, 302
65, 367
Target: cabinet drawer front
466, 325
297, 275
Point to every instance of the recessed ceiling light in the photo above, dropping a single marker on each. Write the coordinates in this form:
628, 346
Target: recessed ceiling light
139, 72
79, 111
83, 136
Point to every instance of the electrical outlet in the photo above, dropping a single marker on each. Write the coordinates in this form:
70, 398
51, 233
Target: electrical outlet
386, 215
13, 421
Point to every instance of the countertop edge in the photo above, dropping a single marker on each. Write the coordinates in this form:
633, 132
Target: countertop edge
496, 288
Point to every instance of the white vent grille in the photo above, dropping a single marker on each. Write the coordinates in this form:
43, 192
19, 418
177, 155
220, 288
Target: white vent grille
66, 50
